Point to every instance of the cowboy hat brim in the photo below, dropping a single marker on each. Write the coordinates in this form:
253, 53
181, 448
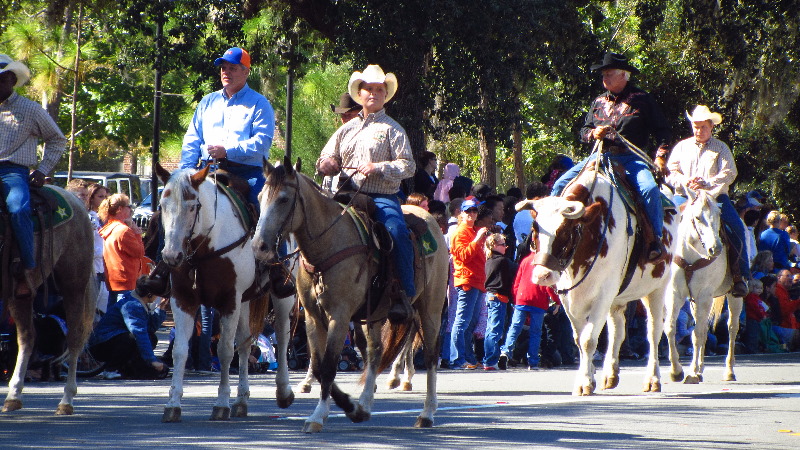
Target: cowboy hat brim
616, 65
357, 78
20, 70
702, 116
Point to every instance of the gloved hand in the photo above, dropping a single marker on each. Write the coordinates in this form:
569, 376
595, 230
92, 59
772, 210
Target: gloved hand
36, 179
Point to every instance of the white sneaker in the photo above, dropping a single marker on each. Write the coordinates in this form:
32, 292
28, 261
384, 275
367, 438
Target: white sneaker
111, 375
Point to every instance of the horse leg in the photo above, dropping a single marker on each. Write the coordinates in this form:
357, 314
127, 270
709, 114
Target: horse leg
355, 411
305, 384
408, 354
228, 325
616, 333
398, 365
587, 344
700, 309
734, 309
674, 302
654, 304
244, 342
430, 321
316, 335
22, 312
284, 395
80, 312
184, 326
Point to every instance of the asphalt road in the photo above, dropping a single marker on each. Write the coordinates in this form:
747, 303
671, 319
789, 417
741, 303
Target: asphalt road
477, 409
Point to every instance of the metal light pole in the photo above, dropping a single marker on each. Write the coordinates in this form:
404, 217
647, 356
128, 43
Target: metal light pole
290, 94
156, 110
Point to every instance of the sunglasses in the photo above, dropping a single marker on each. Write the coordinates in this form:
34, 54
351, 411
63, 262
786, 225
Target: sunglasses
502, 244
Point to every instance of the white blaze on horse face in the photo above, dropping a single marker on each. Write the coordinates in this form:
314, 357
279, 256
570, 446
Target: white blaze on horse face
549, 218
276, 207
706, 222
178, 216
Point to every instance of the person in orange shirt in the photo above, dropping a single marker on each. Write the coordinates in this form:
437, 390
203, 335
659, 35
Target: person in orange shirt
123, 249
469, 277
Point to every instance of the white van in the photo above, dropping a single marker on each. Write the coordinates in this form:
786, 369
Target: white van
116, 182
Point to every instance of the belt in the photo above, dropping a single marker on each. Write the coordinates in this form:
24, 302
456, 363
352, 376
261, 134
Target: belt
228, 164
10, 164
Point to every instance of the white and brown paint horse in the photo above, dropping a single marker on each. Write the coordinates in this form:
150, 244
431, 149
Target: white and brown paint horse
208, 248
582, 249
293, 203
701, 273
68, 258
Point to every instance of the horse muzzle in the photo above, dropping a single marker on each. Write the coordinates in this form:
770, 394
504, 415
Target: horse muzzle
543, 276
264, 251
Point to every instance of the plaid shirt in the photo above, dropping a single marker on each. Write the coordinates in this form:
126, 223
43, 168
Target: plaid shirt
712, 161
376, 138
22, 123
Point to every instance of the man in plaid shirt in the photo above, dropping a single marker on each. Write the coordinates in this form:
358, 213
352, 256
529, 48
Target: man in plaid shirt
22, 123
376, 147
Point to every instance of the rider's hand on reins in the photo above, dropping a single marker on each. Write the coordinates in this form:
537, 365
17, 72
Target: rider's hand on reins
600, 132
217, 151
329, 167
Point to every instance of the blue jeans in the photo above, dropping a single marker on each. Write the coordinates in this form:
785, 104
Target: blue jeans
17, 196
465, 310
390, 214
534, 333
640, 178
734, 224
495, 323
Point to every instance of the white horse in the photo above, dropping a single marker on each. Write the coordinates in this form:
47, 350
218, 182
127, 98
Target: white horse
700, 272
583, 249
208, 248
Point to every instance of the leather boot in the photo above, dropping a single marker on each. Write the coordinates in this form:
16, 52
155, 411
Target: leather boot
281, 281
400, 311
655, 251
157, 282
740, 288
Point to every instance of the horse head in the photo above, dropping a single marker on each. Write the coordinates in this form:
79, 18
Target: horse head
556, 234
180, 211
700, 224
278, 200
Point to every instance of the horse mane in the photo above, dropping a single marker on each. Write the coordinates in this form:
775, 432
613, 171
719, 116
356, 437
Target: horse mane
278, 175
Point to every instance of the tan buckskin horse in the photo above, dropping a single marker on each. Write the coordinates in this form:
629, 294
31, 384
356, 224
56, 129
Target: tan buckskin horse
208, 248
292, 203
68, 257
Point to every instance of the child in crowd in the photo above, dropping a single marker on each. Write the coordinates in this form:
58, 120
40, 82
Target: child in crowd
530, 300
755, 312
767, 338
500, 272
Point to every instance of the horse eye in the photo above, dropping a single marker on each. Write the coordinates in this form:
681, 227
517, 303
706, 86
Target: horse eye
283, 200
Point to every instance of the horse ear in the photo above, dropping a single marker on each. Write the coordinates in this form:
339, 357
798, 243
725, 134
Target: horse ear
298, 164
523, 205
199, 176
266, 167
162, 173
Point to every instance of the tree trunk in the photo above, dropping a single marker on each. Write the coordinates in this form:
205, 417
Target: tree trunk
487, 146
519, 163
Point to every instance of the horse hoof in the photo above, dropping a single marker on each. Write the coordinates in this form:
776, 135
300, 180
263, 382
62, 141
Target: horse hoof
611, 382
239, 410
12, 405
676, 376
286, 402
691, 379
64, 409
406, 386
304, 388
172, 414
652, 386
359, 414
584, 390
700, 377
220, 413
312, 427
729, 377
393, 383
423, 422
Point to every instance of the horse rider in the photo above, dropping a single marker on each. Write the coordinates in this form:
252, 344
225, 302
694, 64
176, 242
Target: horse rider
347, 110
623, 116
377, 147
23, 123
704, 162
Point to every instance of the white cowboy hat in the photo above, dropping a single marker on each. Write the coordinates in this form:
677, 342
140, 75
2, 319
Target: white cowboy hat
701, 113
372, 74
20, 70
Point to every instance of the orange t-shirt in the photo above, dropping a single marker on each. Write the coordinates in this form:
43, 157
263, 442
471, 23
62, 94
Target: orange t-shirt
123, 254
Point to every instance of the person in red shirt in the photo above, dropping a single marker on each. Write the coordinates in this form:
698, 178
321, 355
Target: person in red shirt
787, 327
469, 277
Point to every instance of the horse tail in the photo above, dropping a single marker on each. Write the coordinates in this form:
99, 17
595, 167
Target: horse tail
394, 339
716, 311
259, 307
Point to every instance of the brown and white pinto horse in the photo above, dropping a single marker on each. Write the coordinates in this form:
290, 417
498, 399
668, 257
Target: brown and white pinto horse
583, 248
700, 272
334, 292
68, 258
207, 245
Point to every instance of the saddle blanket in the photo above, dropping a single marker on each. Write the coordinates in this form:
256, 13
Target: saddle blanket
61, 213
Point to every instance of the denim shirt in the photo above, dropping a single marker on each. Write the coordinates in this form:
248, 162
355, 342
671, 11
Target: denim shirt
129, 315
243, 123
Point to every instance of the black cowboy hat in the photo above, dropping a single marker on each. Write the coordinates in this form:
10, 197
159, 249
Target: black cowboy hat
346, 104
615, 61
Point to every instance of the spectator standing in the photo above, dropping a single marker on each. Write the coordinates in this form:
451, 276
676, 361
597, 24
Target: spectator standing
123, 249
500, 271
763, 264
96, 193
786, 327
442, 192
776, 240
425, 181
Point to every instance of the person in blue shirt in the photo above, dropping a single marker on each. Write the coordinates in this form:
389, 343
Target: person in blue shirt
776, 240
234, 125
125, 336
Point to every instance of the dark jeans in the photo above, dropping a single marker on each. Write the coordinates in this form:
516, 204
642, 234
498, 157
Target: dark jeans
122, 354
